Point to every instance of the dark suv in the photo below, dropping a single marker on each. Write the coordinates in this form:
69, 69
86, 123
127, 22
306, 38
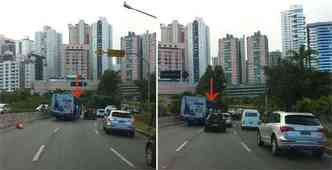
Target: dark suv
215, 121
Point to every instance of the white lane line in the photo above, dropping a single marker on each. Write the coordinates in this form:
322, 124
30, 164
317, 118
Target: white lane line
200, 131
181, 146
95, 124
122, 158
37, 155
56, 130
97, 132
234, 132
245, 147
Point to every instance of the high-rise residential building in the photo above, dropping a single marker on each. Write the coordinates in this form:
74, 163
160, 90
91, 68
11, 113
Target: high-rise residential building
320, 40
243, 60
274, 58
27, 73
170, 57
76, 60
197, 40
257, 53
230, 58
131, 66
149, 53
101, 38
293, 32
79, 33
7, 46
172, 33
9, 75
48, 43
215, 61
23, 48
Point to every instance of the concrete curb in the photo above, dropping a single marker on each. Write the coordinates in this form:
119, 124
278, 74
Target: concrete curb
171, 124
143, 132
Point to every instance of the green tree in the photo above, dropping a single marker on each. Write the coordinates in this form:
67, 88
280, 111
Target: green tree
109, 85
217, 74
303, 57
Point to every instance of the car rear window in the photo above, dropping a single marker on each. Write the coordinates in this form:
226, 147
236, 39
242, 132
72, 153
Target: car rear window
119, 114
216, 117
251, 114
302, 120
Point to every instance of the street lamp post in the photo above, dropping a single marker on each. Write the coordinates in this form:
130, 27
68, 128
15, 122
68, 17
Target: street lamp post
144, 59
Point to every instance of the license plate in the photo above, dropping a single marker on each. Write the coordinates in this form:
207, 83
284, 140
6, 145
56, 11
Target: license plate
305, 133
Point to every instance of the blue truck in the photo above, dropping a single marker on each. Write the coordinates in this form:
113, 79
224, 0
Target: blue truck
65, 107
194, 110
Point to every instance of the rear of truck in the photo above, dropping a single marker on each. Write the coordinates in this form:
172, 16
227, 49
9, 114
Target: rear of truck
194, 110
65, 107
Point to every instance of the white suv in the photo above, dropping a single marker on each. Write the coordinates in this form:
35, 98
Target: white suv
286, 131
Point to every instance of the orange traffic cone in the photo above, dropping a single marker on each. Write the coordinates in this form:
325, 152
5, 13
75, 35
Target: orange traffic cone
19, 125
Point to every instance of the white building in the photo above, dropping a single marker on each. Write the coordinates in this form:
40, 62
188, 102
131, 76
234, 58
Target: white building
79, 33
172, 33
27, 73
23, 48
293, 32
9, 75
101, 37
149, 52
48, 43
197, 39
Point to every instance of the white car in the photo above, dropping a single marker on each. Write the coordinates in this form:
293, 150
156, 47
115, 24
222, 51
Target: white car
108, 109
250, 119
228, 119
42, 107
296, 131
3, 108
100, 112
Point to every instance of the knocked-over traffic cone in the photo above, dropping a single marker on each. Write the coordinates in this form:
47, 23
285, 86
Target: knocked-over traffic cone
19, 125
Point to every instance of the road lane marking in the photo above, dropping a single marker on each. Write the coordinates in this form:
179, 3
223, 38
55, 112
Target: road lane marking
234, 132
95, 124
181, 146
97, 132
245, 147
122, 158
200, 131
56, 130
37, 155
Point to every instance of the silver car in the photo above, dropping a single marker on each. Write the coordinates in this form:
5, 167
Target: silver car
288, 131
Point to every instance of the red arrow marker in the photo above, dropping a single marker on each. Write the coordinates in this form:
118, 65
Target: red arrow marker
212, 95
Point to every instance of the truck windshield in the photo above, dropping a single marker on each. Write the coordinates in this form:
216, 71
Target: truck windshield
251, 114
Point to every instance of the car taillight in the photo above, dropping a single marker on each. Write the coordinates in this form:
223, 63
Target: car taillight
286, 129
321, 130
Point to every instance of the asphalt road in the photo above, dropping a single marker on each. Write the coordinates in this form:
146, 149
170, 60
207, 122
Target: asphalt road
189, 148
50, 144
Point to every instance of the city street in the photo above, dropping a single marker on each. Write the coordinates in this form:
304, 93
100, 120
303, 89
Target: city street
51, 144
186, 148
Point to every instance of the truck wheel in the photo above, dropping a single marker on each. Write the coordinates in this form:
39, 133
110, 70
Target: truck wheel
318, 154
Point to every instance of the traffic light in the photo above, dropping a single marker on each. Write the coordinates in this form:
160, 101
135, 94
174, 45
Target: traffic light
99, 51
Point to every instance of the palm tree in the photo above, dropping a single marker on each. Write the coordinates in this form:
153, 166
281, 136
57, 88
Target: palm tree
303, 57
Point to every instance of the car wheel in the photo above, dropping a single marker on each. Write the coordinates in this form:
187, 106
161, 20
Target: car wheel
206, 129
259, 139
319, 154
275, 148
242, 127
149, 156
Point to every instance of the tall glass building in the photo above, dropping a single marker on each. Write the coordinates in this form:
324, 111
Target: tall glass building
320, 39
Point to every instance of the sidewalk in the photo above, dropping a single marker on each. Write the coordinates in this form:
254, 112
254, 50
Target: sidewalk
10, 119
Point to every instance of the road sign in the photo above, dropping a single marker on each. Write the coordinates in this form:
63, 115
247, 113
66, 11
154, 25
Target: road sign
212, 94
115, 53
170, 75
